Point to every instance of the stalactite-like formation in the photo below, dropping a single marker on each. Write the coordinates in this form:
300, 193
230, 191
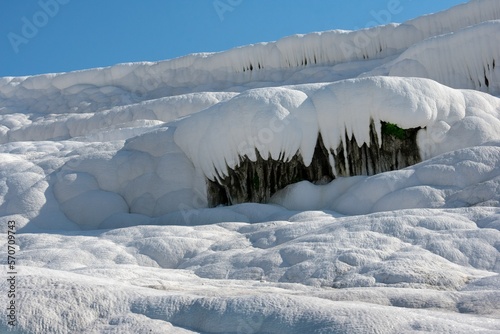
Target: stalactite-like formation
258, 181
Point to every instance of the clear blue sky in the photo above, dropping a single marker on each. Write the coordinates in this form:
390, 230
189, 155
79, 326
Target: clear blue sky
44, 36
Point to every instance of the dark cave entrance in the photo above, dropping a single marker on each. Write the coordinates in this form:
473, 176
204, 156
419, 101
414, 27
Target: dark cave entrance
258, 181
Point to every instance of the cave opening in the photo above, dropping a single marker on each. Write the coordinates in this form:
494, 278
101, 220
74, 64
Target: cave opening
256, 181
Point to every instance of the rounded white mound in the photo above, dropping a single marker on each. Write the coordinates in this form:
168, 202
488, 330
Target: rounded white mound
105, 171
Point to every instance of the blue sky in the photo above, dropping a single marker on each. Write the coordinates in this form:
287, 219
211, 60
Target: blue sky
45, 36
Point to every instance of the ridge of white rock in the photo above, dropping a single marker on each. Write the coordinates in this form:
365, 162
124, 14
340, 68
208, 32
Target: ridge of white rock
92, 90
452, 59
279, 123
104, 172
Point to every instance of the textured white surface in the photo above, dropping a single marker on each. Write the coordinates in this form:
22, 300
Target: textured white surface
104, 172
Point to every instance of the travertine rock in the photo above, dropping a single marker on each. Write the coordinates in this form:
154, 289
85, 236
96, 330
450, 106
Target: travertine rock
258, 181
